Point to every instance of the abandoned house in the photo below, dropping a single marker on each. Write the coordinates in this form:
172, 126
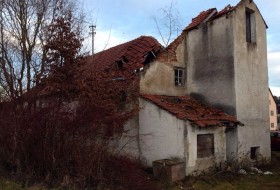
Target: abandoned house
203, 99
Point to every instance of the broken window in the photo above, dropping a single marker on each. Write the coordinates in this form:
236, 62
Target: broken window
179, 76
254, 152
205, 145
250, 26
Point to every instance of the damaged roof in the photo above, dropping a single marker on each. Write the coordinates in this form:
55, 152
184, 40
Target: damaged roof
187, 108
170, 53
212, 14
209, 15
126, 58
203, 17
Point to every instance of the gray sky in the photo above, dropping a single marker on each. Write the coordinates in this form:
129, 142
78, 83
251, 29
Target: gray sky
118, 21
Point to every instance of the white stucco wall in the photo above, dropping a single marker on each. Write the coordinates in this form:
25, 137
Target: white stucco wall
227, 72
251, 84
196, 165
161, 134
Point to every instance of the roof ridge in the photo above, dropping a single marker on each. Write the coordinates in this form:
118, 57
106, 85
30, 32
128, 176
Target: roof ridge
128, 42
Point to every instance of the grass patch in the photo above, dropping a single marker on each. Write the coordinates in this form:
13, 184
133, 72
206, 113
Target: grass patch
9, 185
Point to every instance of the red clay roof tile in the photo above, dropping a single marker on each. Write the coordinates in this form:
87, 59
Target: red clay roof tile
132, 53
170, 52
200, 18
187, 108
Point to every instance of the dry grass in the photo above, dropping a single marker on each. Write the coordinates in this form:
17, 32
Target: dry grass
219, 181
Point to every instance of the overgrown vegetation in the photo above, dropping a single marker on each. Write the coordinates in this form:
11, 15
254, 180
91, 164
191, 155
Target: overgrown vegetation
59, 126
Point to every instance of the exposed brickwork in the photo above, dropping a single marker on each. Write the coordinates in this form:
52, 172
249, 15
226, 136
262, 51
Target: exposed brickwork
169, 54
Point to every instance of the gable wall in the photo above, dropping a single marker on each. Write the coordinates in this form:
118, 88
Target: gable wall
159, 77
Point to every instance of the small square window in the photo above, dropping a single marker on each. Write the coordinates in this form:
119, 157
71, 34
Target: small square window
272, 125
254, 152
272, 113
205, 145
179, 76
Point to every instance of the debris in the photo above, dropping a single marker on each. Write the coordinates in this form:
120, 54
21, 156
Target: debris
267, 173
256, 170
242, 171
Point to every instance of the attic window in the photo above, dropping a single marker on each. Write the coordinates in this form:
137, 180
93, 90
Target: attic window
250, 26
120, 63
205, 145
179, 76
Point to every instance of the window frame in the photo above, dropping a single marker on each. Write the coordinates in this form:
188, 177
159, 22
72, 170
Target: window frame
205, 147
179, 76
250, 21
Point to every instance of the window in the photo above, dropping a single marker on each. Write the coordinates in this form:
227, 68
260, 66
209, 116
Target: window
250, 26
254, 152
179, 76
272, 125
272, 113
205, 145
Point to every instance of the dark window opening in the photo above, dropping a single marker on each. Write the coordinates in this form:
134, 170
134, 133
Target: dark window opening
205, 145
120, 63
149, 57
179, 76
250, 26
254, 152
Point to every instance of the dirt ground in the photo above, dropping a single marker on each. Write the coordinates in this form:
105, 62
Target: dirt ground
228, 180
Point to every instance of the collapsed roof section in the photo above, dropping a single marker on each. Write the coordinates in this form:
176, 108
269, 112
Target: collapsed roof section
124, 60
203, 17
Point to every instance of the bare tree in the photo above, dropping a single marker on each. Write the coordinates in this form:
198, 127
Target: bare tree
168, 23
22, 41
